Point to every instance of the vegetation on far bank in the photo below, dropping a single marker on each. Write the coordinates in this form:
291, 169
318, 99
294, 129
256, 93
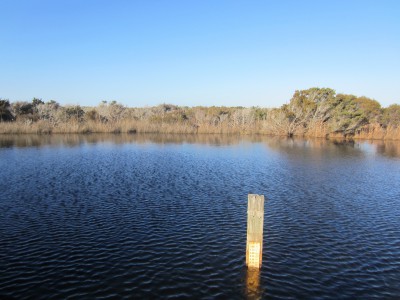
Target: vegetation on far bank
316, 112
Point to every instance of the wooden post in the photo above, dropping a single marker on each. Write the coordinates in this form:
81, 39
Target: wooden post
255, 223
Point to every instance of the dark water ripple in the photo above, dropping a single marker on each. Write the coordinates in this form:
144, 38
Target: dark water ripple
145, 219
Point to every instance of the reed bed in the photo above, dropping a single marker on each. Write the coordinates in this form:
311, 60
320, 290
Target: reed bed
320, 130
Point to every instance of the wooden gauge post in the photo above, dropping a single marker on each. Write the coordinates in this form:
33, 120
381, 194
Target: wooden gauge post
255, 223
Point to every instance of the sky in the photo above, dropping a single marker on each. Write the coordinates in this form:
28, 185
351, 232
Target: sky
197, 52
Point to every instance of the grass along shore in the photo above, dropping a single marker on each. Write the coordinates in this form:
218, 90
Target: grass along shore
370, 131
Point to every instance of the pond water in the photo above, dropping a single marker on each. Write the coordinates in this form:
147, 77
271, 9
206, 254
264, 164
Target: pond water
164, 216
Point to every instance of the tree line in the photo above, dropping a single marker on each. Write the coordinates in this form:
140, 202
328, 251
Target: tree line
312, 112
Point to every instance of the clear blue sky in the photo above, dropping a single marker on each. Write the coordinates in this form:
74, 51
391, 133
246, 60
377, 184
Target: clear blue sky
197, 52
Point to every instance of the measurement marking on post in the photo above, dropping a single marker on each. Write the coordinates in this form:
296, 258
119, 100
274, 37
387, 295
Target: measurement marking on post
254, 254
255, 223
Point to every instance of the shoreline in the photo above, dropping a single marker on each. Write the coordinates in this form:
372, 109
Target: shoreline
316, 112
15, 129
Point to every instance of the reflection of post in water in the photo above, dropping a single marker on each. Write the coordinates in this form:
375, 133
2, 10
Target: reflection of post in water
253, 290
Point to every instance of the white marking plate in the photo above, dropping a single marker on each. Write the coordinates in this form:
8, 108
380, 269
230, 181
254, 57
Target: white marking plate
254, 254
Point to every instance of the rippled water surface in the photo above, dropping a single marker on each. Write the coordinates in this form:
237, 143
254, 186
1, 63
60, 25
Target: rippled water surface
165, 217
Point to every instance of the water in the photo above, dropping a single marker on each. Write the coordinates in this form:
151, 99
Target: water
165, 217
